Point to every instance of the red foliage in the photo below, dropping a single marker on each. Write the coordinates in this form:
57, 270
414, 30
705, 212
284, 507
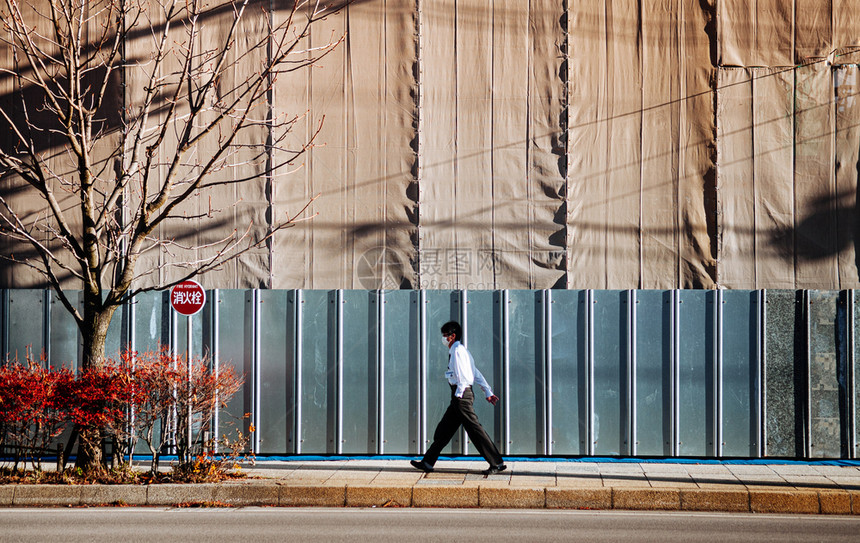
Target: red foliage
126, 400
31, 414
98, 398
178, 394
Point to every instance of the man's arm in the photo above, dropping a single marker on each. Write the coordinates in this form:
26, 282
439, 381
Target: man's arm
482, 382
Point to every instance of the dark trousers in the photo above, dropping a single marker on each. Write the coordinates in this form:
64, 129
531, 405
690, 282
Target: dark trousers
461, 412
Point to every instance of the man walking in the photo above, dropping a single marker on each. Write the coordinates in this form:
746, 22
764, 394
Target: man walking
461, 375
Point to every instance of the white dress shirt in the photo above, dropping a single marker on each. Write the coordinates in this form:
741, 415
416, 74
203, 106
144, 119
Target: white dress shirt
462, 372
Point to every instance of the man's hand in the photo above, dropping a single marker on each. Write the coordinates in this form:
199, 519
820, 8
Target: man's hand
493, 399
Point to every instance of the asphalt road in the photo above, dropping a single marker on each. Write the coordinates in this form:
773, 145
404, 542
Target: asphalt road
260, 525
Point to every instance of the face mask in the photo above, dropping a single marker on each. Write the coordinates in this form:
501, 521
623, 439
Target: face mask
444, 341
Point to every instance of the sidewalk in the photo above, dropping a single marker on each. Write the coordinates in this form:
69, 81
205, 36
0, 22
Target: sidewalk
793, 487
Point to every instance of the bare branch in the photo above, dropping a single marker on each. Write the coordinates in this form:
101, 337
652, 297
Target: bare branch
125, 113
229, 251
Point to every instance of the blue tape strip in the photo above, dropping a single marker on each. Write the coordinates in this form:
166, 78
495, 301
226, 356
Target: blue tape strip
589, 459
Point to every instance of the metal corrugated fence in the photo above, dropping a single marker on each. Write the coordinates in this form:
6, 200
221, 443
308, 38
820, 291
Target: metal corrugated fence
687, 373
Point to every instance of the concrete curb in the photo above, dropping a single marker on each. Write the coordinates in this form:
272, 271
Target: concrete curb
825, 501
512, 497
855, 501
440, 496
170, 494
378, 496
646, 499
576, 498
320, 496
784, 501
46, 495
715, 500
114, 495
246, 495
7, 493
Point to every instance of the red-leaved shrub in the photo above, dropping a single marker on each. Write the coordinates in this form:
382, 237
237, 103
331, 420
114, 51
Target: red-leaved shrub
99, 399
156, 396
32, 411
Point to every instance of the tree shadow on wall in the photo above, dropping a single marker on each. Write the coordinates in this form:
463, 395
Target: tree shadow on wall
28, 105
829, 228
31, 117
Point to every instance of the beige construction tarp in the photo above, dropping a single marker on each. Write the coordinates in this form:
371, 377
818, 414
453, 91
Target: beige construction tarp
360, 169
615, 144
641, 136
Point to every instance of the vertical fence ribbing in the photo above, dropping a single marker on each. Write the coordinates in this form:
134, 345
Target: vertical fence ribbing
722, 330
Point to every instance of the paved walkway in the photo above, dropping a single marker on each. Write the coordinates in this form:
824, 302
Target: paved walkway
768, 488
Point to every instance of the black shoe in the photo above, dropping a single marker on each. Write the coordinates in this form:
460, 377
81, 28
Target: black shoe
421, 465
495, 469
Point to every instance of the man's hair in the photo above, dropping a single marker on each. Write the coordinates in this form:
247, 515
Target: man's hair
453, 327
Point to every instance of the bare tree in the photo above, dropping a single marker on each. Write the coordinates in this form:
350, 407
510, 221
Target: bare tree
118, 114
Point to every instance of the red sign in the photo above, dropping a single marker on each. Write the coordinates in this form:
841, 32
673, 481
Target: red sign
188, 297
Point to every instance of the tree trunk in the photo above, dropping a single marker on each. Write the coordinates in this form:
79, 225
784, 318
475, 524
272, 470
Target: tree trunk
97, 318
